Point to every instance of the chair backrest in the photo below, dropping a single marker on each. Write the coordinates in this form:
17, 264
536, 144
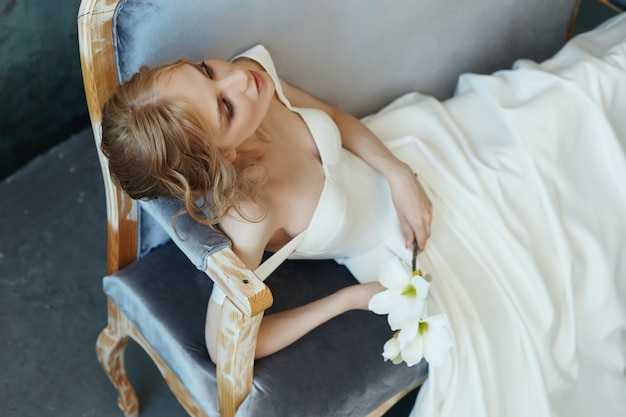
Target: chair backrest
355, 54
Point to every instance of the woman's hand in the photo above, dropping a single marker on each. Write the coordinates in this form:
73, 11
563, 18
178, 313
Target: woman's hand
412, 205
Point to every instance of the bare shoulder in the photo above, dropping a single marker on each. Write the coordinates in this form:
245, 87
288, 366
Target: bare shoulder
249, 230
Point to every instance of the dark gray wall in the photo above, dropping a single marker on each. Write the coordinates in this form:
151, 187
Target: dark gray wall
42, 99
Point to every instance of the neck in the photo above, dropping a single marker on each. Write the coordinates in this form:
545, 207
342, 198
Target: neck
256, 146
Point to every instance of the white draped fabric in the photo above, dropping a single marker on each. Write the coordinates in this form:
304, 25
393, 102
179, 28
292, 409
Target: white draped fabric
527, 173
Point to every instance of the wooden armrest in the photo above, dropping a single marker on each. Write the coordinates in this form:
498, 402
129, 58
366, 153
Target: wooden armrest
236, 345
245, 290
247, 297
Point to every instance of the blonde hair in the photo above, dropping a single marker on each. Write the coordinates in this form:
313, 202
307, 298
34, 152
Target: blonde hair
159, 146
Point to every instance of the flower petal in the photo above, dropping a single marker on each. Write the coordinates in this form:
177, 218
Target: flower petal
391, 349
435, 353
436, 357
385, 301
394, 274
406, 311
421, 285
413, 352
438, 320
397, 360
437, 340
408, 333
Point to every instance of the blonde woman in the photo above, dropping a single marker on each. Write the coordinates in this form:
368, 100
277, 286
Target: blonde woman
529, 273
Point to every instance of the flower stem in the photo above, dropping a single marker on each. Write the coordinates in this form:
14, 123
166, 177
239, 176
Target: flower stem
414, 259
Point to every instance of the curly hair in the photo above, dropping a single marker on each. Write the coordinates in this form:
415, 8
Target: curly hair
159, 145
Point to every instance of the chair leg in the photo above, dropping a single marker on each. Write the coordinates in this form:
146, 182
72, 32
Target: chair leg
110, 349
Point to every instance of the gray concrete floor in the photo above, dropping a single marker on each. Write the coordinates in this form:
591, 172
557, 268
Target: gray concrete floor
52, 259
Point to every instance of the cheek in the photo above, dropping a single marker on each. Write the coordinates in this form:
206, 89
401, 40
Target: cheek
249, 119
254, 111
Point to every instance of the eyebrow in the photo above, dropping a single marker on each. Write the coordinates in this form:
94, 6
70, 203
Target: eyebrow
220, 116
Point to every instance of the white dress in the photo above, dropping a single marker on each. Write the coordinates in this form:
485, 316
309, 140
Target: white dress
527, 176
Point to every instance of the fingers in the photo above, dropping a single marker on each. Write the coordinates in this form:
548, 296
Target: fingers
414, 210
421, 237
418, 228
421, 240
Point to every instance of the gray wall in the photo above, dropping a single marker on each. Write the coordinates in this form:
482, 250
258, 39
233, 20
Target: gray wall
42, 99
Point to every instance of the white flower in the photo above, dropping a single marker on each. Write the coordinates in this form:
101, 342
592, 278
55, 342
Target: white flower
391, 351
404, 299
427, 338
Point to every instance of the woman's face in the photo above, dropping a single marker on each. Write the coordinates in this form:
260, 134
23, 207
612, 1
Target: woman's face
233, 98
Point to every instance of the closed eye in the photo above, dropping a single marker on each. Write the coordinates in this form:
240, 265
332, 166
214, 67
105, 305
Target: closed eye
207, 69
228, 106
230, 110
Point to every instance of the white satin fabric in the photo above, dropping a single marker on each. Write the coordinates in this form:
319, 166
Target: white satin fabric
527, 175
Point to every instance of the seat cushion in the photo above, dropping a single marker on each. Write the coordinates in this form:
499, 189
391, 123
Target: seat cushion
337, 369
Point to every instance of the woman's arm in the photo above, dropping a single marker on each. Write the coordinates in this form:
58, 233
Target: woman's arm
281, 329
411, 202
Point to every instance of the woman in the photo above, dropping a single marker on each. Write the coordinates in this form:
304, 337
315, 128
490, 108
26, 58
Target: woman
239, 122
530, 278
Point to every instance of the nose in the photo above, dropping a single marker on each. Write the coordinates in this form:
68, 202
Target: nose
237, 79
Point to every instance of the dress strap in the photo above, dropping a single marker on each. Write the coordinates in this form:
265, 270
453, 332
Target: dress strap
261, 56
274, 261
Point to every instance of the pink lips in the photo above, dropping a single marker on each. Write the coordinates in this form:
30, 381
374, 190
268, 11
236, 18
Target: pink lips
257, 80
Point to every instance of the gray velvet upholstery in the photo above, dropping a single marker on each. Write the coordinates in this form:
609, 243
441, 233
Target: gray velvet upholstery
336, 370
150, 233
358, 55
197, 241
